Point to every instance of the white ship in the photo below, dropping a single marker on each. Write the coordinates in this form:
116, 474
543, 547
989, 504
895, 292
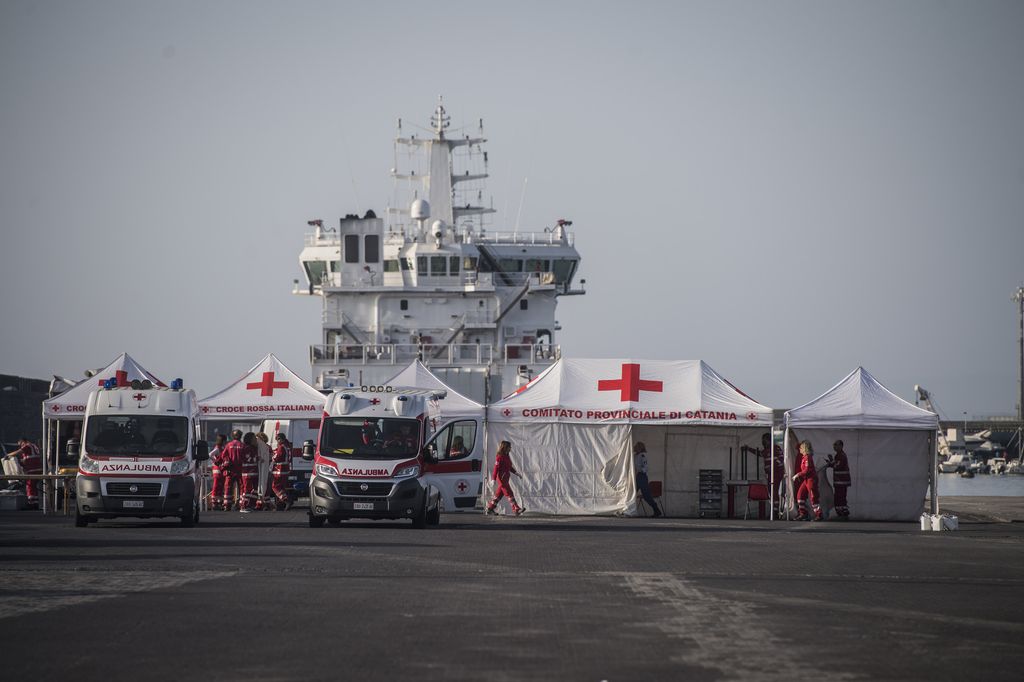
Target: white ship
430, 280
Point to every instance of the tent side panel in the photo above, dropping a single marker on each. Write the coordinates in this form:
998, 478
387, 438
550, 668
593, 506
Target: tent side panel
567, 469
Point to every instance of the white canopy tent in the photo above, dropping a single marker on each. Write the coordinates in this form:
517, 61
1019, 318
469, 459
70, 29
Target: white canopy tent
69, 406
890, 445
269, 390
418, 375
573, 427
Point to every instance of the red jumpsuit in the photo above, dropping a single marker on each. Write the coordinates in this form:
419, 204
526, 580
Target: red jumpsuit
231, 470
280, 467
841, 482
503, 470
250, 474
32, 464
217, 482
807, 479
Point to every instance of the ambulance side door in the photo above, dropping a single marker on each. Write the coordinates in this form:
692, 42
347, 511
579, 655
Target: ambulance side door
454, 463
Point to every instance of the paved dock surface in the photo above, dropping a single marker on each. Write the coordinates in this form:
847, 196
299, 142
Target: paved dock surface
264, 597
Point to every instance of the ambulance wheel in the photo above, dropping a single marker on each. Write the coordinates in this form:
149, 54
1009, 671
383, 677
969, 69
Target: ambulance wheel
316, 521
334, 520
420, 519
81, 520
434, 516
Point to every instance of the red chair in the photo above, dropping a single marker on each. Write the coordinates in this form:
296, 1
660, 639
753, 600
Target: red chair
756, 492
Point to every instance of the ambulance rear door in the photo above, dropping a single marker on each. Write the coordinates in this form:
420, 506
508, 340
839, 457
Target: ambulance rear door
453, 463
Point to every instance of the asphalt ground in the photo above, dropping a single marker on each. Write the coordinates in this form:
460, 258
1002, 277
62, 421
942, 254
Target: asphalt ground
264, 597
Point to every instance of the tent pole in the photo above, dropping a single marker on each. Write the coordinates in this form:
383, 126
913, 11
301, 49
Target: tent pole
46, 453
771, 476
933, 442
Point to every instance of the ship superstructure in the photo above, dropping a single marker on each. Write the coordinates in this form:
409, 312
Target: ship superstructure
430, 280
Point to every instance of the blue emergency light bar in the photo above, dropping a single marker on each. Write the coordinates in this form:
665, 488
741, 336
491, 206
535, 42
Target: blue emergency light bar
177, 384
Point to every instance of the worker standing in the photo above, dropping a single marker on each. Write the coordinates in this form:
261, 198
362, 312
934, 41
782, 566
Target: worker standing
503, 471
250, 472
281, 468
640, 472
217, 482
264, 453
231, 468
807, 481
841, 481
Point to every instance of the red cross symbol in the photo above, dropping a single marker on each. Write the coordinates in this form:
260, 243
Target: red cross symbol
630, 384
375, 401
139, 396
268, 384
120, 376
506, 412
206, 408
461, 486
752, 416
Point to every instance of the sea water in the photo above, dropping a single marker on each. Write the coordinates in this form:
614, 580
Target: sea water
982, 485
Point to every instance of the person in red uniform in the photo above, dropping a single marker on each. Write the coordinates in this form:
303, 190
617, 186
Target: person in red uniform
774, 469
503, 471
250, 473
807, 481
841, 481
217, 482
32, 464
280, 467
231, 467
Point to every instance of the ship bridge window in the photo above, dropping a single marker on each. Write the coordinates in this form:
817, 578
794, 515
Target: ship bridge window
351, 248
469, 263
390, 265
438, 266
406, 263
564, 270
538, 265
403, 304
421, 264
371, 246
315, 271
453, 265
510, 265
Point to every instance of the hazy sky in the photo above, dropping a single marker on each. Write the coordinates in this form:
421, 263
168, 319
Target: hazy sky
786, 190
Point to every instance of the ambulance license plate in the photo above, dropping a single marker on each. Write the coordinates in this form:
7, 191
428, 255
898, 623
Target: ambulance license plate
133, 504
362, 506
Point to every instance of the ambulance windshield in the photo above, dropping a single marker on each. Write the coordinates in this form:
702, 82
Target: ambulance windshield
370, 438
141, 435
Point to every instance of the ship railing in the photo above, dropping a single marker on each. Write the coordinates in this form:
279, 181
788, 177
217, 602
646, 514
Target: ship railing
517, 237
532, 353
400, 353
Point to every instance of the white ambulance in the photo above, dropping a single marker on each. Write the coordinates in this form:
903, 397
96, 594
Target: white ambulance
370, 455
139, 454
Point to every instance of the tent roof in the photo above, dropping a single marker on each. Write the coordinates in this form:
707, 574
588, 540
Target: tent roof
418, 375
71, 403
626, 391
269, 390
860, 401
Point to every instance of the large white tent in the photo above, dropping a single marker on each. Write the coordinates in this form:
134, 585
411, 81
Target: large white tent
889, 443
269, 390
70, 405
573, 427
418, 375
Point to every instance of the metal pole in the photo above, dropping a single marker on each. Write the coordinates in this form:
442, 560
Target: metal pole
1018, 296
933, 447
771, 476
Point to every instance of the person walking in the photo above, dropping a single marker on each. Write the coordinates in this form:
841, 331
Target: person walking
807, 481
640, 471
281, 468
217, 477
841, 481
503, 470
231, 468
